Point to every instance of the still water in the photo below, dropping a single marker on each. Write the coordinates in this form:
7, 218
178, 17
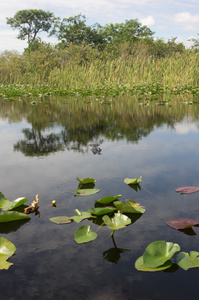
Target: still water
44, 147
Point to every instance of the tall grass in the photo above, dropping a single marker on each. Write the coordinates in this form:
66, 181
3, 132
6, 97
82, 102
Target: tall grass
87, 70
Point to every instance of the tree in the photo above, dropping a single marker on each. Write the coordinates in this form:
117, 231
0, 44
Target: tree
30, 22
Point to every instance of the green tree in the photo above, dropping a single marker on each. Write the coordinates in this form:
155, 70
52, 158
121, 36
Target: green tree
30, 22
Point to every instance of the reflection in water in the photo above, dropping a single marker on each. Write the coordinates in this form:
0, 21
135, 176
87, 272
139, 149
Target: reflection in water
113, 254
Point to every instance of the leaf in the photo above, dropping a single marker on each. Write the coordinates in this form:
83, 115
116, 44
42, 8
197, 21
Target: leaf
133, 181
187, 189
12, 216
131, 208
86, 180
61, 220
117, 222
140, 266
86, 192
158, 252
186, 261
6, 250
84, 235
181, 223
99, 211
108, 199
81, 215
8, 205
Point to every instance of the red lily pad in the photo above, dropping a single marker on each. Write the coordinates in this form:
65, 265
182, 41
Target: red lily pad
187, 189
181, 223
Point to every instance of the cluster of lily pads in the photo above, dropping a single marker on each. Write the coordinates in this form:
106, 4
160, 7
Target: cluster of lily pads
108, 211
9, 214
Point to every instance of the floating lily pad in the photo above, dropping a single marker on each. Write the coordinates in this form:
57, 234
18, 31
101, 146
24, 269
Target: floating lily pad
86, 192
99, 211
12, 216
61, 220
86, 180
133, 181
8, 205
108, 199
181, 223
131, 207
158, 252
186, 261
81, 215
7, 249
188, 189
84, 235
117, 222
140, 266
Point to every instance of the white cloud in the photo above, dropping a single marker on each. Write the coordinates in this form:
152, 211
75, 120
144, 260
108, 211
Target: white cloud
189, 21
148, 21
185, 128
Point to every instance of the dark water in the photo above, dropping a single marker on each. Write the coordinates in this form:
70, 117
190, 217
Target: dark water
44, 147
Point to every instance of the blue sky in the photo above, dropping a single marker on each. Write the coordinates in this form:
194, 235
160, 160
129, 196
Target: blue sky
168, 19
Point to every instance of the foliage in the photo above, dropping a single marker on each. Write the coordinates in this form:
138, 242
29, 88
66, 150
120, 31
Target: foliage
187, 189
7, 249
180, 224
187, 261
133, 181
84, 235
30, 22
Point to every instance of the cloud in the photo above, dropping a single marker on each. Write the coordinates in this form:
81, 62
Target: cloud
148, 21
185, 128
189, 21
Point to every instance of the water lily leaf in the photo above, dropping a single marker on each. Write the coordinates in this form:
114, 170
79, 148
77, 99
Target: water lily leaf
61, 220
108, 199
133, 181
12, 216
158, 252
181, 223
8, 205
86, 192
186, 261
84, 235
131, 207
99, 211
6, 250
86, 180
117, 222
140, 266
187, 189
81, 215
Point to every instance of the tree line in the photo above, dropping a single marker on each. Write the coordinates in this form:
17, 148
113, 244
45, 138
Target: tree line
74, 30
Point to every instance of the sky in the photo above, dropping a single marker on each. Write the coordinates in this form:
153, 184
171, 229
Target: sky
167, 18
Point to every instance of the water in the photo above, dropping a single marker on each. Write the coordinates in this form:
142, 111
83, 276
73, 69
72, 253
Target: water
45, 147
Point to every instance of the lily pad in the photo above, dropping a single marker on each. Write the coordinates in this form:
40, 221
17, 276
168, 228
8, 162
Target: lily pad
84, 235
99, 211
8, 205
140, 266
181, 223
186, 261
188, 189
117, 222
86, 180
158, 252
131, 207
7, 249
81, 215
61, 220
133, 181
12, 216
86, 192
108, 199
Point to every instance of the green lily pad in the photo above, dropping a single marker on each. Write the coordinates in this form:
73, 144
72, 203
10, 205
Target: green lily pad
99, 211
86, 192
84, 235
6, 250
86, 180
81, 215
61, 220
187, 261
133, 181
140, 266
131, 207
117, 222
8, 205
12, 216
108, 199
158, 252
